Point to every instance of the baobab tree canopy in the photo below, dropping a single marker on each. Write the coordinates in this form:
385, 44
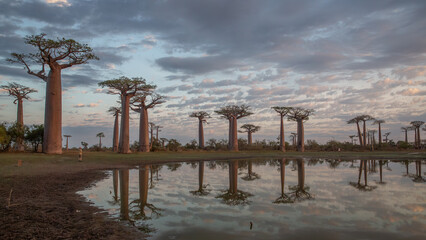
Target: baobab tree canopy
201, 115
249, 128
57, 55
298, 113
18, 91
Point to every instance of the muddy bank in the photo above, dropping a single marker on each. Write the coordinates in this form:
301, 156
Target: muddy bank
47, 207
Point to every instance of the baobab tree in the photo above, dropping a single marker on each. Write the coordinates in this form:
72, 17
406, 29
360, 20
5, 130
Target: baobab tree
233, 113
57, 55
67, 136
416, 125
157, 129
405, 129
386, 136
364, 119
300, 115
126, 88
115, 112
100, 136
19, 92
201, 115
357, 120
294, 137
141, 103
282, 111
352, 138
151, 128
379, 122
249, 129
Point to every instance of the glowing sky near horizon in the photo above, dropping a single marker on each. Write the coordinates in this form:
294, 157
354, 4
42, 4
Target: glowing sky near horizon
338, 57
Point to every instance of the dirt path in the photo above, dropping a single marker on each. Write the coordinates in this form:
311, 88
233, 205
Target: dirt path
49, 208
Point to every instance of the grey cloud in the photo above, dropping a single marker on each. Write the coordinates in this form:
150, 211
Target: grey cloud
182, 78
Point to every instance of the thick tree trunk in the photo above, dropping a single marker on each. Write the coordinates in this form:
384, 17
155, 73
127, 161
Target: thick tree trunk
234, 135
406, 136
359, 134
100, 142
365, 134
233, 176
52, 137
249, 138
152, 138
300, 136
200, 175
282, 139
415, 137
230, 134
124, 194
380, 134
143, 131
419, 142
124, 133
20, 121
282, 171
200, 134
115, 135
143, 185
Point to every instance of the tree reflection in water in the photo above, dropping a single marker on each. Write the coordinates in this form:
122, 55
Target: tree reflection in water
283, 198
233, 196
300, 191
418, 176
381, 163
250, 174
358, 185
202, 189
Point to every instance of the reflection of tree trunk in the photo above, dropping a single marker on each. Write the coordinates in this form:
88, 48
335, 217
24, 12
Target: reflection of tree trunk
200, 175
143, 184
250, 168
365, 134
359, 134
282, 139
200, 134
124, 194
300, 136
282, 171
115, 184
419, 168
115, 135
52, 137
301, 173
365, 173
381, 172
233, 176
143, 131
360, 171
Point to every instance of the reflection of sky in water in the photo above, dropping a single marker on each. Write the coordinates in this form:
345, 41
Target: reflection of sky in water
393, 210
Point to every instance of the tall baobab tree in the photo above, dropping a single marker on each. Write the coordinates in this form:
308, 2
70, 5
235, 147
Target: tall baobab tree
249, 129
282, 111
141, 103
379, 122
126, 88
157, 129
57, 55
352, 138
294, 137
201, 115
19, 92
364, 119
67, 136
151, 128
233, 113
100, 136
405, 129
115, 112
300, 115
357, 120
416, 125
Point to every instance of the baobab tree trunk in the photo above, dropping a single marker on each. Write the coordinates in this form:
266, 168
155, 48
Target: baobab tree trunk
67, 144
200, 134
234, 134
365, 135
20, 121
249, 138
230, 134
406, 136
52, 136
115, 135
124, 133
380, 134
124, 194
359, 134
418, 138
282, 139
100, 142
152, 138
143, 131
415, 137
300, 136
143, 185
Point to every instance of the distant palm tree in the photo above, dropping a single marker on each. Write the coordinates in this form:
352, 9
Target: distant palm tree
100, 136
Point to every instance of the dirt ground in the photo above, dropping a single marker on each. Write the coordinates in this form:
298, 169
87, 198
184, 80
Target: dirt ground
47, 207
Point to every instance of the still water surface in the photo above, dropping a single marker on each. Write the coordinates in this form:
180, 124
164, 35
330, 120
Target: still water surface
269, 199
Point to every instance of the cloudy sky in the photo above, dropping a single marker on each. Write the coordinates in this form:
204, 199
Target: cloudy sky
341, 58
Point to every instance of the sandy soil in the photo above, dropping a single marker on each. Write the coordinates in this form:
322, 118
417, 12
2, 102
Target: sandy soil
47, 207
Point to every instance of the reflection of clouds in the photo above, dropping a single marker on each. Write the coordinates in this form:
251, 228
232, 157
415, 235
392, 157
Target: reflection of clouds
337, 211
